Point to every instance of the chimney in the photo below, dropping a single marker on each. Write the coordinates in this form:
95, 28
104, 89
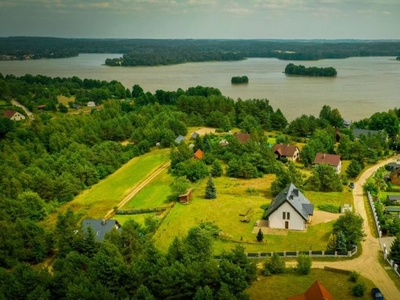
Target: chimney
103, 222
324, 156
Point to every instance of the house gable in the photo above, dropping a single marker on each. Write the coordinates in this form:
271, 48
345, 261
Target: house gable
289, 151
315, 292
289, 209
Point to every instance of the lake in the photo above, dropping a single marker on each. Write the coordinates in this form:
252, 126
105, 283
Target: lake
364, 85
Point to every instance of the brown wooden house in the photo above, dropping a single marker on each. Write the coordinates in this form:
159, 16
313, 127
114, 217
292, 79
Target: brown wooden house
395, 177
290, 152
185, 198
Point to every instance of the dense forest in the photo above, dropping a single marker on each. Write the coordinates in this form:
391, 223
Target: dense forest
46, 161
149, 52
292, 69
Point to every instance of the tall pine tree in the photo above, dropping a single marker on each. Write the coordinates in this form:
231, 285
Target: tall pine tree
211, 191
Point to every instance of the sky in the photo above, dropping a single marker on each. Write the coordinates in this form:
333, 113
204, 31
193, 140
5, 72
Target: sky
212, 19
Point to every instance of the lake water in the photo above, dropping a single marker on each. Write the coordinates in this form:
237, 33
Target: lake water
363, 86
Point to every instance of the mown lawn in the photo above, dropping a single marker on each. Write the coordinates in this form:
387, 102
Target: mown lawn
96, 201
279, 287
235, 197
155, 194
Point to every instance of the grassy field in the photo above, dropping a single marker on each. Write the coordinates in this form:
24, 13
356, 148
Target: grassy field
65, 100
96, 201
278, 287
235, 197
154, 194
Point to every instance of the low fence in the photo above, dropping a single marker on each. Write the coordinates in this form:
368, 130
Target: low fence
374, 214
260, 255
390, 261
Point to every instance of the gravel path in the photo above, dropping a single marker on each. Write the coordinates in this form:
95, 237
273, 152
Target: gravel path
367, 263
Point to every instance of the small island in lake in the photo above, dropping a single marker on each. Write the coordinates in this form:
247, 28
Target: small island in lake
292, 69
239, 79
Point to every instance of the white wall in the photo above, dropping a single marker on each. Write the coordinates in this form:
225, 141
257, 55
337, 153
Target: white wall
296, 222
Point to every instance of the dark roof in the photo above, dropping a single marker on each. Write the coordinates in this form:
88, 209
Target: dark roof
393, 166
357, 132
242, 137
315, 292
393, 197
180, 139
295, 198
9, 113
330, 159
100, 227
285, 150
194, 135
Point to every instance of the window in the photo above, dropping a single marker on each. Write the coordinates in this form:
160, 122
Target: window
284, 215
288, 215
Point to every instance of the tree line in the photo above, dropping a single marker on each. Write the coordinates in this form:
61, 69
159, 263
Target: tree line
148, 52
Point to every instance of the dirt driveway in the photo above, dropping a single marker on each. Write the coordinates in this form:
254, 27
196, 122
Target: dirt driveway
367, 263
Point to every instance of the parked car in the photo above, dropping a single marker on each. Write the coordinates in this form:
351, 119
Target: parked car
352, 185
377, 294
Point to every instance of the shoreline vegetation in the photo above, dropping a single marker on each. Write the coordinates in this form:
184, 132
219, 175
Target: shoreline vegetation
301, 70
239, 79
153, 52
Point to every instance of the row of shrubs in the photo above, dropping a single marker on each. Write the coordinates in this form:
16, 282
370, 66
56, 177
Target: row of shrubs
140, 211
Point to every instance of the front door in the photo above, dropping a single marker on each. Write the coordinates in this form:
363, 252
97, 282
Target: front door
286, 224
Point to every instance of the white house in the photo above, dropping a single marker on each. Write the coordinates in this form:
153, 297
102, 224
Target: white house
91, 104
13, 115
290, 209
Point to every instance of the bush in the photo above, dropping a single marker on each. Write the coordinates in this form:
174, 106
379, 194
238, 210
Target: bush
304, 264
353, 277
358, 289
275, 265
329, 208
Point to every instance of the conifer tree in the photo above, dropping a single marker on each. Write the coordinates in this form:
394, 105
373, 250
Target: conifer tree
341, 243
260, 236
211, 191
395, 250
216, 169
332, 243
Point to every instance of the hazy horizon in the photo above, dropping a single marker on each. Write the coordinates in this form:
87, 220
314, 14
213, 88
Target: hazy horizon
206, 19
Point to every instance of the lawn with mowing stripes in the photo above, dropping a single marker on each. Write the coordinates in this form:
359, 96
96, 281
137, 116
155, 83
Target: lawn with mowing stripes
96, 201
154, 194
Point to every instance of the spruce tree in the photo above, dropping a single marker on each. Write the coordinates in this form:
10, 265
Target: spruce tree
332, 243
395, 250
341, 243
260, 236
211, 191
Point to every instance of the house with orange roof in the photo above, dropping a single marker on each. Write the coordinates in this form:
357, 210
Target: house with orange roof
315, 292
198, 154
13, 115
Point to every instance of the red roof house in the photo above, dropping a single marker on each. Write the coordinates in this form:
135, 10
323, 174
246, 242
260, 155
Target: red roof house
330, 159
13, 115
291, 152
315, 292
242, 137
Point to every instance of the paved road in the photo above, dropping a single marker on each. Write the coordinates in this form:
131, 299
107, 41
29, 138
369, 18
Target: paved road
367, 263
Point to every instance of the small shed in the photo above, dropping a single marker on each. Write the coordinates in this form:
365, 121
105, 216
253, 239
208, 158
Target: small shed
393, 198
194, 135
91, 104
180, 139
185, 198
198, 154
